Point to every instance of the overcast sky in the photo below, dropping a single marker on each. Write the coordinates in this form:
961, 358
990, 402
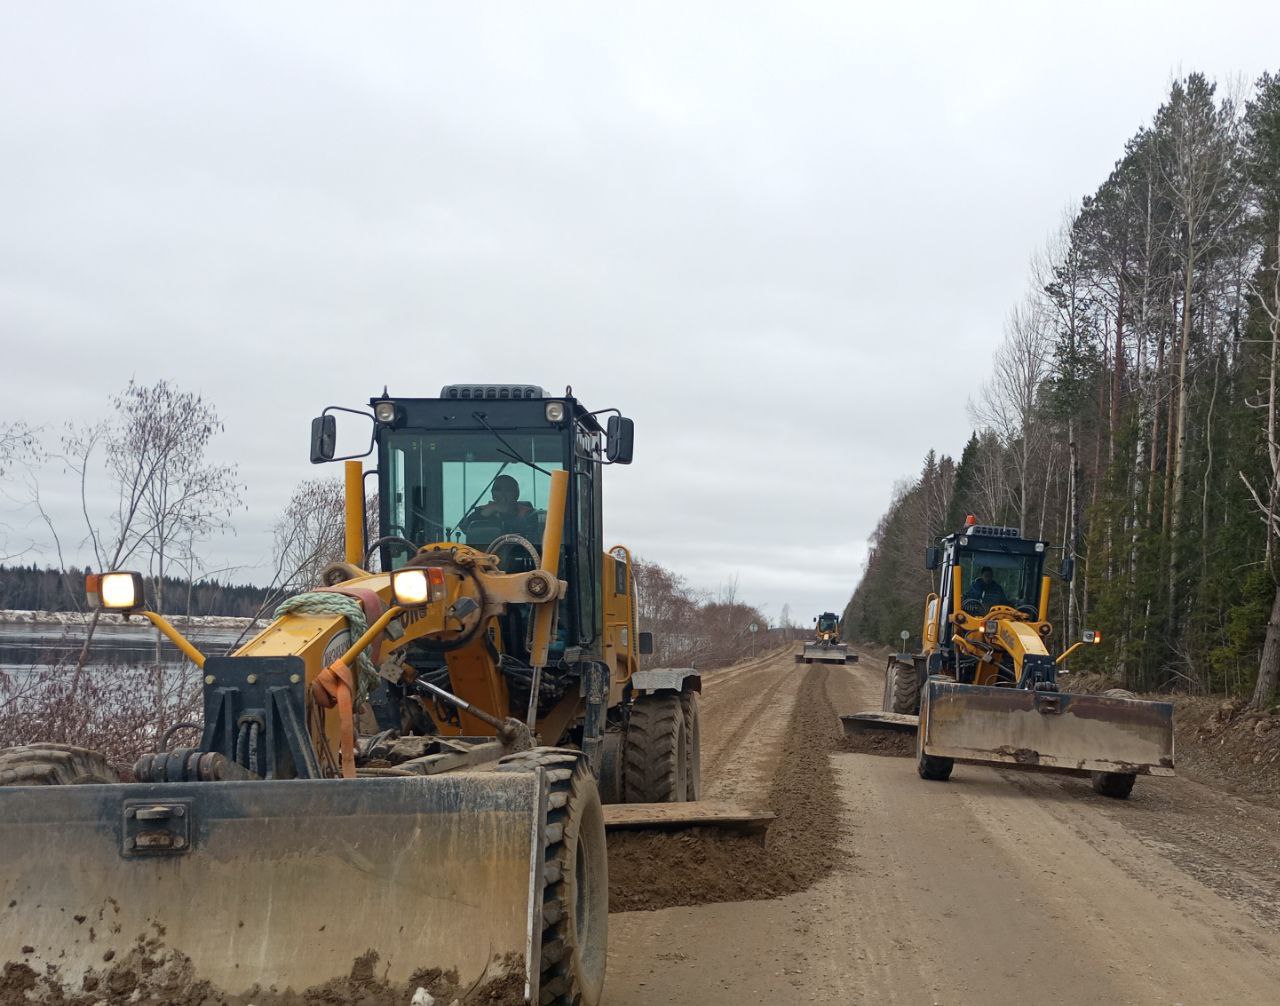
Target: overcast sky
783, 239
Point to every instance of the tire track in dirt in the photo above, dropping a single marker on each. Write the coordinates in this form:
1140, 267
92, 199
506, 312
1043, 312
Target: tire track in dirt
651, 870
730, 744
729, 674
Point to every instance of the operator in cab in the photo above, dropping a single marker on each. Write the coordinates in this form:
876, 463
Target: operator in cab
506, 503
505, 510
986, 590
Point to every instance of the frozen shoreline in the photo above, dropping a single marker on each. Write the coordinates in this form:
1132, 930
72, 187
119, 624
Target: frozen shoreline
77, 619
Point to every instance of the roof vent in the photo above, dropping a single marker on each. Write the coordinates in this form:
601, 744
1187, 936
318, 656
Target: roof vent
491, 392
991, 531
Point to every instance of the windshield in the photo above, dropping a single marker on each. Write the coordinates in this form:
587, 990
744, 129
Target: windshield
1014, 580
467, 487
827, 622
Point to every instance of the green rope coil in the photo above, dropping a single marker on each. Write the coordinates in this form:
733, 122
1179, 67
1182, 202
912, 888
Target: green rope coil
325, 603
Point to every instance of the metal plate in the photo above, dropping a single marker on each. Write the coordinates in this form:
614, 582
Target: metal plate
857, 723
286, 883
1059, 731
696, 814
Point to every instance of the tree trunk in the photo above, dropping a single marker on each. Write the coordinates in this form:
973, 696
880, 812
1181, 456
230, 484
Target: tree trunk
1269, 669
1179, 463
1117, 371
1073, 531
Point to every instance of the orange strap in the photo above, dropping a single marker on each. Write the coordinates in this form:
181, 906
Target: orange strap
335, 686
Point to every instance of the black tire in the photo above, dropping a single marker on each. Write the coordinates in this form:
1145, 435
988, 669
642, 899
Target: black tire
901, 688
930, 767
54, 765
575, 879
610, 781
933, 768
1117, 785
655, 764
692, 745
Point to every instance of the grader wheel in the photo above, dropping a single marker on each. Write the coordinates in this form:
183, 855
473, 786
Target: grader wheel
656, 768
901, 688
1116, 785
575, 879
54, 765
693, 745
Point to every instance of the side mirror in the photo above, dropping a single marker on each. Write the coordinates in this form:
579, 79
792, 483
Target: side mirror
324, 439
1068, 570
619, 440
646, 643
932, 556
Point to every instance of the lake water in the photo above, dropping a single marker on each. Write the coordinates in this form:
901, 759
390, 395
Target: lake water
24, 646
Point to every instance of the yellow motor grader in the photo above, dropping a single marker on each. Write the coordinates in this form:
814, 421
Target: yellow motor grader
826, 646
984, 689
404, 771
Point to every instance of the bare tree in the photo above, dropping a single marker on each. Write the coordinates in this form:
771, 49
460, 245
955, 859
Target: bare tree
164, 495
1008, 400
1267, 498
18, 447
17, 441
1198, 143
309, 534
164, 434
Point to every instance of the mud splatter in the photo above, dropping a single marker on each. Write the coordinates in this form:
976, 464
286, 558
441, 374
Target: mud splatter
151, 974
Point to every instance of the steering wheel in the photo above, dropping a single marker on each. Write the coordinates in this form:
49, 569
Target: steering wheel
388, 540
509, 543
1030, 610
972, 606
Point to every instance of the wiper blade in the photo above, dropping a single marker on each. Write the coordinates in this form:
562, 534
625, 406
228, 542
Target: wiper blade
511, 452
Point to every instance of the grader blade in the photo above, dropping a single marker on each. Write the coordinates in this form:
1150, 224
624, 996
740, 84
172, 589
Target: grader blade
1046, 730
831, 654
259, 891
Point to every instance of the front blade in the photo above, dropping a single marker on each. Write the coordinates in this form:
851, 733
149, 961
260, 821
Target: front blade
1052, 730
256, 887
832, 654
859, 723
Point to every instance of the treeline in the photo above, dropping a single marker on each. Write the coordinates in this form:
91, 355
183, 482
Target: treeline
1131, 412
694, 628
30, 588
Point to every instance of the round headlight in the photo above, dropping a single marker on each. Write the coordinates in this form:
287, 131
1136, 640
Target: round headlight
555, 412
385, 412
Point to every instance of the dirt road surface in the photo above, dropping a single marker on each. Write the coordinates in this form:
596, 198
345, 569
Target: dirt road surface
997, 887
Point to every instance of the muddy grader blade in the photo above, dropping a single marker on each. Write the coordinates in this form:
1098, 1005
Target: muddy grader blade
257, 891
830, 654
1058, 731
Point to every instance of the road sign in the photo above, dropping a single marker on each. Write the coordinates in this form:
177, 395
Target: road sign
753, 627
905, 635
